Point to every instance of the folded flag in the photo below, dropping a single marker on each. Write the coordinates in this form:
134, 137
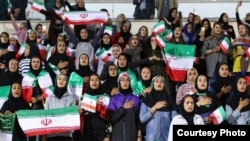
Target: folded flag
179, 59
52, 121
75, 85
109, 30
85, 17
218, 116
5, 91
7, 122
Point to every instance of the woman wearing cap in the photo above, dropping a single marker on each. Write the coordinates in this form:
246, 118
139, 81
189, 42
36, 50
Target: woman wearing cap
124, 112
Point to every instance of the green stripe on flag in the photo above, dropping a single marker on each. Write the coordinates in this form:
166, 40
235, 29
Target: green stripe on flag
100, 52
73, 110
75, 80
7, 122
179, 50
5, 91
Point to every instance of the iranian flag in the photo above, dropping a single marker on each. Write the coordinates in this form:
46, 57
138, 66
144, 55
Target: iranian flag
28, 82
21, 50
85, 17
161, 41
5, 91
42, 51
54, 68
7, 122
89, 103
103, 54
75, 85
159, 27
51, 121
218, 116
9, 7
109, 30
179, 59
225, 44
37, 5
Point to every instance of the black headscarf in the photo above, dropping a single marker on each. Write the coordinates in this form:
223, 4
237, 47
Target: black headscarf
106, 46
4, 45
128, 58
59, 92
57, 57
34, 51
188, 116
97, 91
155, 96
14, 104
84, 70
35, 72
79, 36
126, 35
233, 100
121, 90
109, 82
196, 85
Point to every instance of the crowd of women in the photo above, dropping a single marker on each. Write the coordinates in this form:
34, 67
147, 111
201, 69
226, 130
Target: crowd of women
130, 68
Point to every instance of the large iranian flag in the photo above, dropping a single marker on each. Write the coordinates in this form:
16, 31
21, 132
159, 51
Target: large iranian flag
52, 121
85, 17
4, 93
218, 116
179, 59
75, 85
7, 122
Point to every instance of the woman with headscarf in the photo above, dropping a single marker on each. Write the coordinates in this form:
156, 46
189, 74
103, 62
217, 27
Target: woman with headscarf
186, 116
56, 23
124, 112
157, 111
60, 62
188, 87
110, 75
60, 99
228, 28
29, 51
5, 54
237, 105
14, 103
122, 38
223, 83
95, 123
103, 54
144, 81
206, 102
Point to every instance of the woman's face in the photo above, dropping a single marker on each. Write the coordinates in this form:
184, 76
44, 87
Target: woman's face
32, 35
158, 84
61, 81
94, 82
58, 4
13, 65
125, 28
124, 82
153, 41
205, 25
177, 32
4, 38
84, 60
174, 13
16, 90
35, 63
202, 82
39, 29
122, 61
192, 76
145, 74
27, 51
61, 47
134, 41
80, 3
112, 71
115, 51
189, 104
242, 30
106, 39
121, 18
225, 18
143, 32
217, 29
84, 34
13, 41
189, 28
190, 17
242, 85
223, 71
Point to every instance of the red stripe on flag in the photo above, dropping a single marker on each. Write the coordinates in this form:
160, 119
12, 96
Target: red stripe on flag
176, 75
106, 58
27, 93
68, 21
50, 130
35, 9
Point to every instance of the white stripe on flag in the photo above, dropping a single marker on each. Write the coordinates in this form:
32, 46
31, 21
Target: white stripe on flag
180, 63
5, 137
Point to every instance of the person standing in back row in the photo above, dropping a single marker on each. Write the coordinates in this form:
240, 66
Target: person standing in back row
144, 9
163, 7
